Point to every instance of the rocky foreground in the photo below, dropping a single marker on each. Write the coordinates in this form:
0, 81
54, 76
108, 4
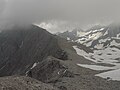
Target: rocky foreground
23, 83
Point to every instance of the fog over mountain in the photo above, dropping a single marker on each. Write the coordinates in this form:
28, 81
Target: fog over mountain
82, 11
59, 45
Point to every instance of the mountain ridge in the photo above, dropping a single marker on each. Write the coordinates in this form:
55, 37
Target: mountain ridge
24, 47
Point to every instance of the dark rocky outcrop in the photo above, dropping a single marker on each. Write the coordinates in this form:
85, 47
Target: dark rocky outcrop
50, 70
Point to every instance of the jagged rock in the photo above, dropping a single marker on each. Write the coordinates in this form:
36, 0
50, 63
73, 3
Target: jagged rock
50, 70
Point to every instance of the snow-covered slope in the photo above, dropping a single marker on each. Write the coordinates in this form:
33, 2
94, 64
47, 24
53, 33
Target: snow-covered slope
96, 37
105, 45
83, 37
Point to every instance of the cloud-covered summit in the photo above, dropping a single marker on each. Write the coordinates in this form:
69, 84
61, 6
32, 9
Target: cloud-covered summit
82, 11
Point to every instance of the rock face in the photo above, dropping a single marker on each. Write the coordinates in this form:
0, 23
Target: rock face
71, 35
50, 70
113, 29
21, 47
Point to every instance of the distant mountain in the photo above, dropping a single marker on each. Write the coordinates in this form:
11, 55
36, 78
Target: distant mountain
94, 36
71, 35
100, 45
96, 27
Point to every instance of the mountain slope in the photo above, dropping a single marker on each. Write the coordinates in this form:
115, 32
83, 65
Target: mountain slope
103, 44
50, 59
21, 47
96, 36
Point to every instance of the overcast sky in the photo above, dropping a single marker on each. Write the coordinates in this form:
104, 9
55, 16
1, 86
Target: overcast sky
82, 11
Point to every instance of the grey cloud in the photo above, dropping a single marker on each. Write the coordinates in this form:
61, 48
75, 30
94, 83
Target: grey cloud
82, 11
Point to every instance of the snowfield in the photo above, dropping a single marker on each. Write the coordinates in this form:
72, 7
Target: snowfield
85, 37
114, 74
90, 37
107, 56
105, 43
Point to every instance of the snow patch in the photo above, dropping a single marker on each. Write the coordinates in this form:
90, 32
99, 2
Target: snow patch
89, 37
105, 56
104, 40
99, 46
68, 38
34, 65
95, 67
83, 53
114, 74
102, 29
82, 33
114, 43
118, 36
106, 33
89, 43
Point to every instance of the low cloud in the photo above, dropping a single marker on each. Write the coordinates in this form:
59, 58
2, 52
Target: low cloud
82, 11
